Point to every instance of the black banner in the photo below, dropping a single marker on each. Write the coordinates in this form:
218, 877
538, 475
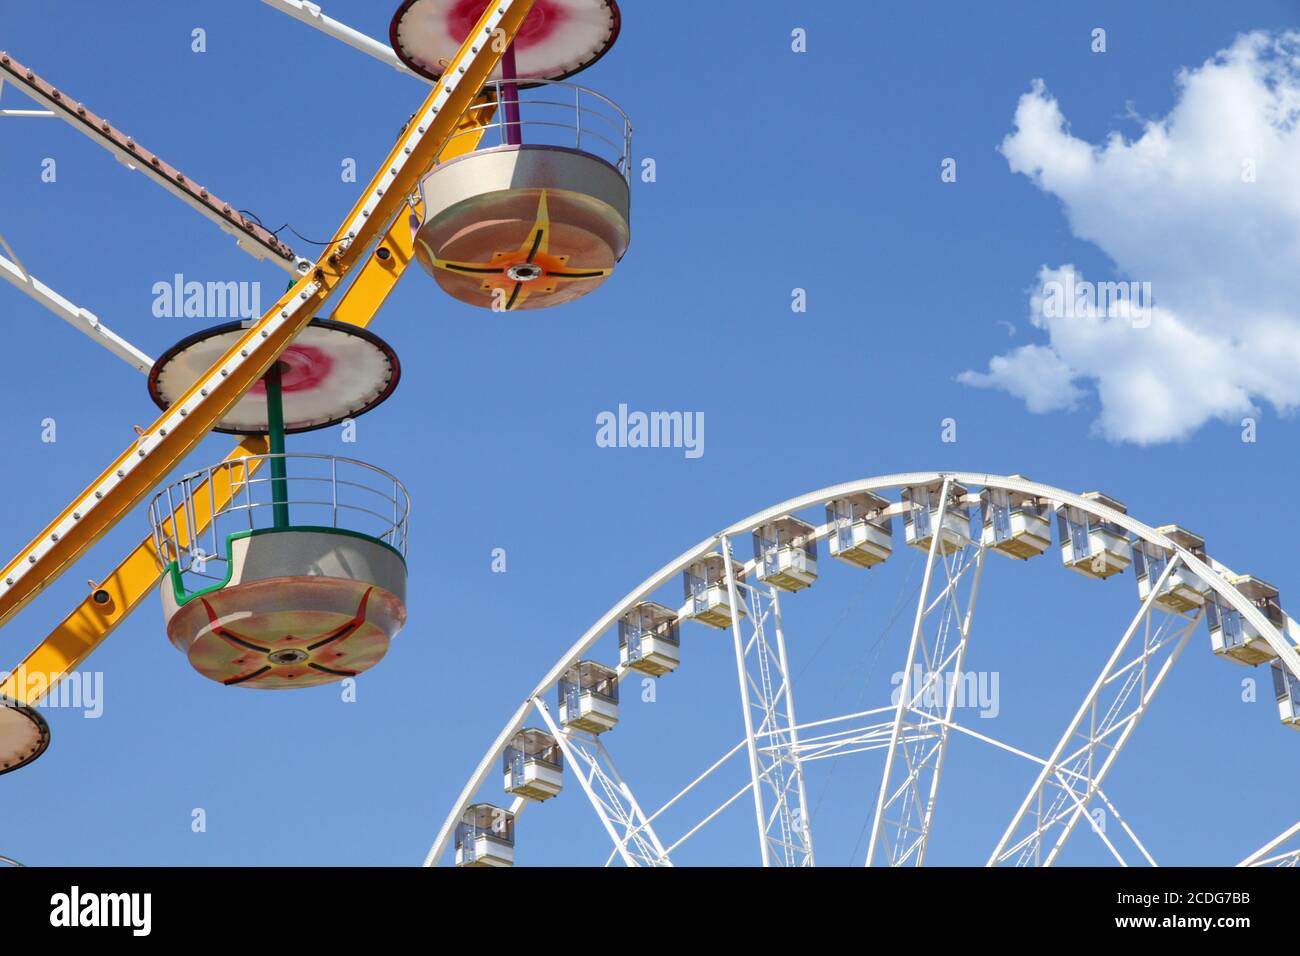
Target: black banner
331, 905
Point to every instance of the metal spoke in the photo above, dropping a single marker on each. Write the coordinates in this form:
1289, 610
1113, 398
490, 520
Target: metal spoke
776, 770
610, 796
918, 740
1267, 855
1112, 709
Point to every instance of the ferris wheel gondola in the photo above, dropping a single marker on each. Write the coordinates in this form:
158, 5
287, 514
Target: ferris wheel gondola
541, 216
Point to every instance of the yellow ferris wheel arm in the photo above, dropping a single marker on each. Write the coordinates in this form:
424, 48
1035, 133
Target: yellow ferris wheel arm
116, 596
179, 429
123, 589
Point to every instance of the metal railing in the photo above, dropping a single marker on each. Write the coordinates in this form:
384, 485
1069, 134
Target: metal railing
320, 491
553, 113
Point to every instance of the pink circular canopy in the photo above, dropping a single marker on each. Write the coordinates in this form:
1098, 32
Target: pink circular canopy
330, 372
558, 37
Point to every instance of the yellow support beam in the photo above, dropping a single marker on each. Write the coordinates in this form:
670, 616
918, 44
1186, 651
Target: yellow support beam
116, 596
123, 589
180, 429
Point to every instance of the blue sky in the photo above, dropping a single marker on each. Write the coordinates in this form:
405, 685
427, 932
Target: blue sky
776, 171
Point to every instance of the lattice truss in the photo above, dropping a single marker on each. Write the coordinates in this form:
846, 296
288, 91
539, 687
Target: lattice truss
918, 736
766, 693
635, 841
1072, 776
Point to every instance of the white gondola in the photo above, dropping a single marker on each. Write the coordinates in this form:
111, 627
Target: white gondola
1234, 637
1287, 687
921, 516
861, 532
1014, 523
485, 836
708, 599
533, 765
1094, 547
1183, 590
785, 553
649, 640
589, 697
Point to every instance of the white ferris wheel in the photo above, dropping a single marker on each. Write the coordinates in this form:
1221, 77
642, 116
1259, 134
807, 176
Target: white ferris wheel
560, 741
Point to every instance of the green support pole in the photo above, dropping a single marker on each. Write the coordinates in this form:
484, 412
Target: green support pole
275, 431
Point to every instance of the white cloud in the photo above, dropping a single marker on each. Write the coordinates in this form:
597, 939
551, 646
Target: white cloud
1033, 373
1174, 208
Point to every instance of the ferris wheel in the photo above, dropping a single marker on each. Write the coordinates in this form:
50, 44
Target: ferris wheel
563, 736
281, 570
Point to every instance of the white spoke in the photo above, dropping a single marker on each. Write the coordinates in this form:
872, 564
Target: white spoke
84, 321
609, 795
918, 739
1112, 708
776, 770
1266, 855
310, 14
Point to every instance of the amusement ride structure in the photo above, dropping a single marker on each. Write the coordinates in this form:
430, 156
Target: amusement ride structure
510, 186
956, 520
282, 570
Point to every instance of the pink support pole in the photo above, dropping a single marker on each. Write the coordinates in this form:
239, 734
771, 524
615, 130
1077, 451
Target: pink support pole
509, 73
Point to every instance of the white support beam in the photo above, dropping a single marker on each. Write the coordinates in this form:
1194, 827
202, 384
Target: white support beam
1081, 808
1114, 812
571, 758
609, 794
44, 114
1113, 750
918, 737
755, 777
637, 824
710, 818
310, 14
1080, 763
250, 236
787, 828
802, 824
1261, 856
963, 622
81, 319
901, 708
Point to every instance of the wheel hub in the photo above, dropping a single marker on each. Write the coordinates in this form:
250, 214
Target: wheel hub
525, 272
